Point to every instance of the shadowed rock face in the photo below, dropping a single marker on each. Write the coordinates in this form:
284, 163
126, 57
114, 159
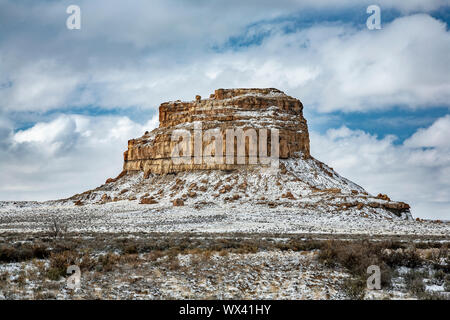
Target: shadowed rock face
226, 109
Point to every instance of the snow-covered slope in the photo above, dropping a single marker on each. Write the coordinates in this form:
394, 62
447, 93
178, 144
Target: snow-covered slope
304, 197
300, 183
153, 193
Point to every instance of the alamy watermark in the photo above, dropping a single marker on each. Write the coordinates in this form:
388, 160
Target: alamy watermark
374, 280
374, 20
189, 146
74, 280
74, 20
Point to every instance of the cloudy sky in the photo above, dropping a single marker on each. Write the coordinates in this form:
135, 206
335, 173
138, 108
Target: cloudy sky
377, 101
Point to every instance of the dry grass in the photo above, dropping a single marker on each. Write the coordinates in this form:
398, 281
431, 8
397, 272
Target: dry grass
357, 256
23, 252
100, 255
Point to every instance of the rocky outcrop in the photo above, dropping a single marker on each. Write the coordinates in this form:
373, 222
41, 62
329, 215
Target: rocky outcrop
300, 181
231, 109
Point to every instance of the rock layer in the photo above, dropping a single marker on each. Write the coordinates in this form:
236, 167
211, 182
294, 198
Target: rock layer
226, 109
301, 182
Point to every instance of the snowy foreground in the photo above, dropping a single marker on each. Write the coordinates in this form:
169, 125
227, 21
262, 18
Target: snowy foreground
128, 250
305, 196
223, 235
220, 266
130, 216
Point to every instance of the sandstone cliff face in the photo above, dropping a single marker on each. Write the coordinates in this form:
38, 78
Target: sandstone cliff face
232, 109
300, 182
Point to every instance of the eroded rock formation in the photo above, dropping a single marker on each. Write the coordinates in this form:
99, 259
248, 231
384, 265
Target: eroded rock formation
301, 182
231, 109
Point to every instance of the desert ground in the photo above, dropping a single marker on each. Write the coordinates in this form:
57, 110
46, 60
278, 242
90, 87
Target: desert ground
127, 250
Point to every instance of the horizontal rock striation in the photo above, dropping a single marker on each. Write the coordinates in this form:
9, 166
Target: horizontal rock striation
226, 109
301, 182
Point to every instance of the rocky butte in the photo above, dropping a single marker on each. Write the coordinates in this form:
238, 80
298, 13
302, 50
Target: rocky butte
230, 109
153, 175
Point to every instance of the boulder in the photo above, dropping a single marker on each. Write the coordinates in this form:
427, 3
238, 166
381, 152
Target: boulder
178, 203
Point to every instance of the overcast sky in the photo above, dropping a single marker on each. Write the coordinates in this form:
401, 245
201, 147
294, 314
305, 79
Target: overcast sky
377, 101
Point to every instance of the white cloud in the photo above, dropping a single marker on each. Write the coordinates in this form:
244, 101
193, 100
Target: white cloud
406, 172
437, 135
40, 86
329, 67
341, 68
67, 155
134, 53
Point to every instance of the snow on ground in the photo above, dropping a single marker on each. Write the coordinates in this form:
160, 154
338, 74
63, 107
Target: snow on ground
264, 275
130, 216
304, 196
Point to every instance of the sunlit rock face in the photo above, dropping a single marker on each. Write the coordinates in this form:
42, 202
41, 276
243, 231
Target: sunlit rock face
251, 110
153, 174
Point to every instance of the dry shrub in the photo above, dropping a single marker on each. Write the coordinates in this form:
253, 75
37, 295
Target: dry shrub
130, 249
354, 288
4, 276
108, 261
59, 263
246, 248
21, 252
173, 263
356, 257
206, 255
22, 278
196, 260
87, 263
129, 258
194, 251
300, 245
447, 283
444, 253
155, 255
57, 229
223, 253
408, 258
414, 282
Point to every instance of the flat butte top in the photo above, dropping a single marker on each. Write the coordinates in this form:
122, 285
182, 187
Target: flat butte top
226, 109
